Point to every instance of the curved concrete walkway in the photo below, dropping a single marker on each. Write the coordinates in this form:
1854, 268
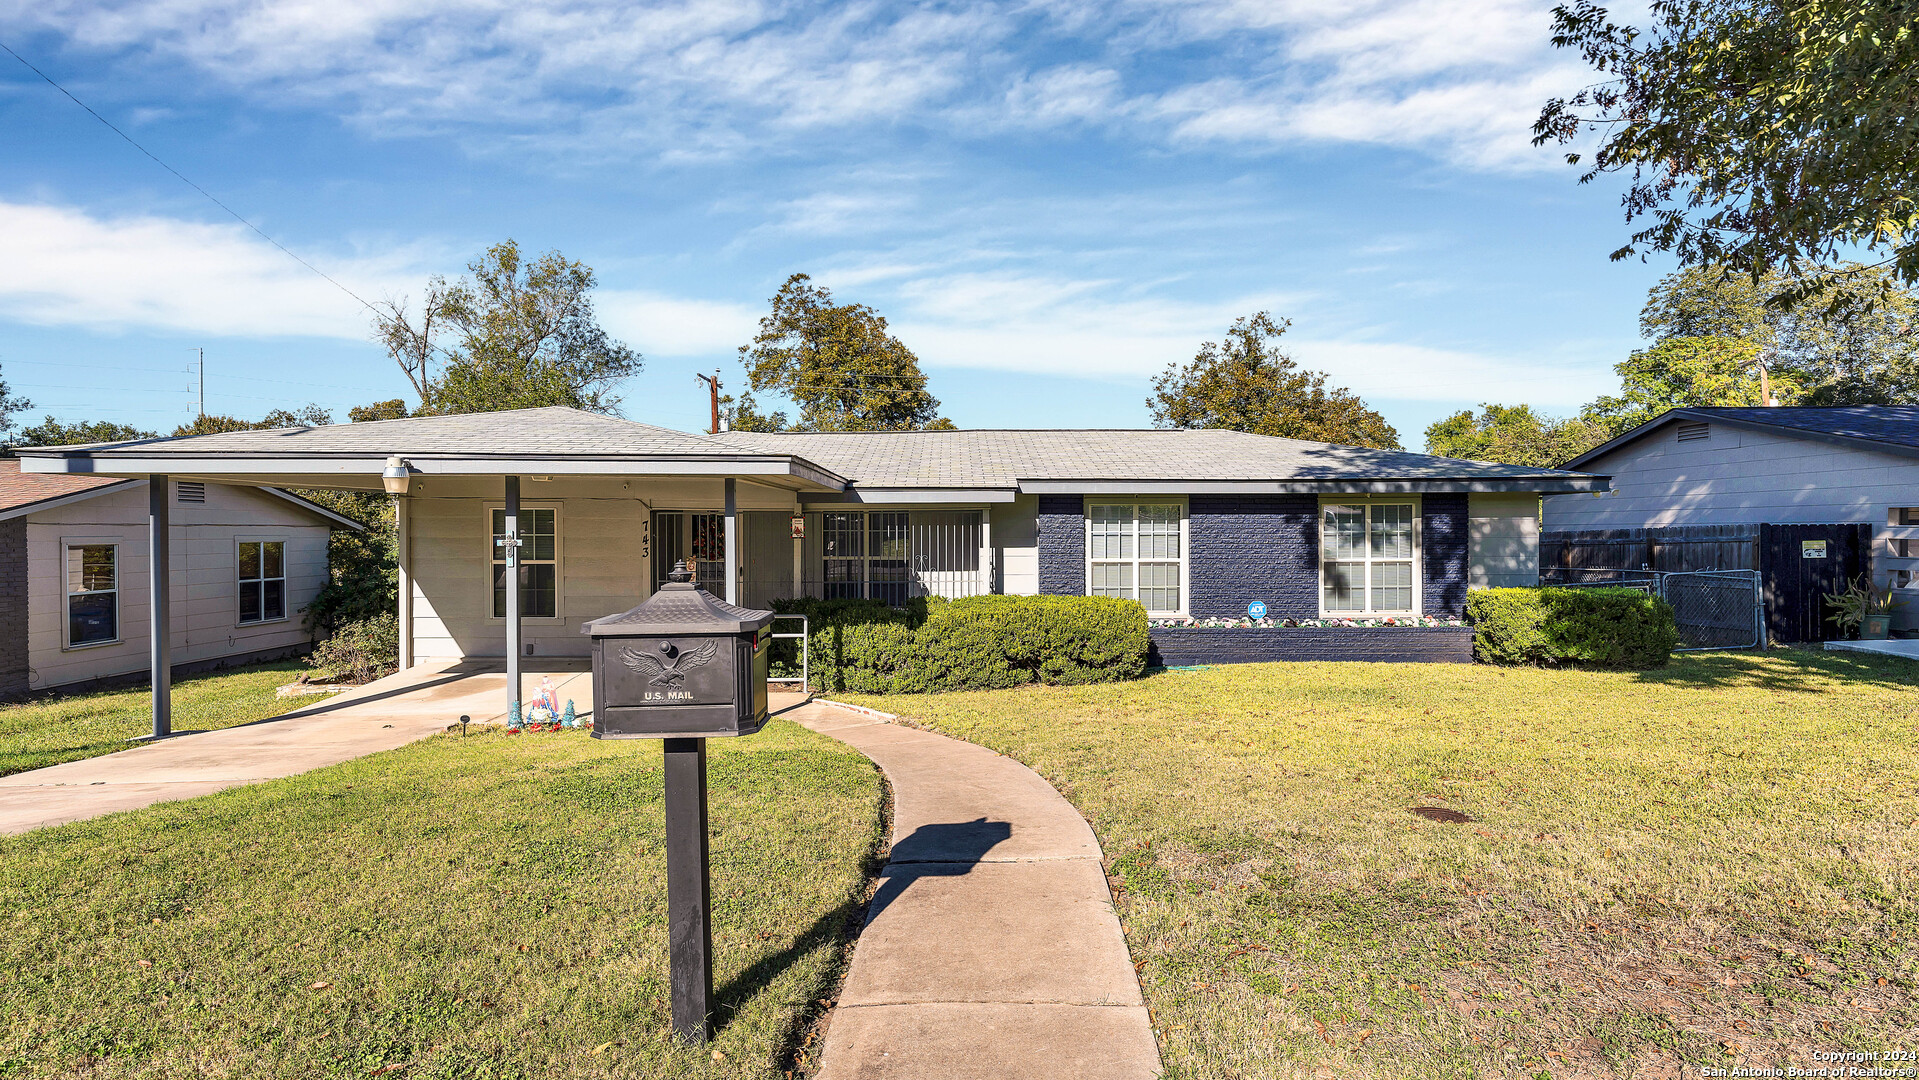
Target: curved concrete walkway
991, 950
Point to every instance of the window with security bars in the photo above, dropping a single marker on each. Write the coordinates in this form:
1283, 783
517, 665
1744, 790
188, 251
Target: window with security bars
539, 563
1367, 557
263, 581
866, 555
1137, 551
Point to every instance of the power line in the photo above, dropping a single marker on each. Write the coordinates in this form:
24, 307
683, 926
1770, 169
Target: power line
182, 178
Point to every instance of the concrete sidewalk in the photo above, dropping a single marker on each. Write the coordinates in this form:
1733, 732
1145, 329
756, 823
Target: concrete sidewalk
381, 715
991, 950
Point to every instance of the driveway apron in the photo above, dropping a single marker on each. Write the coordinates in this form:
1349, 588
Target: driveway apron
991, 949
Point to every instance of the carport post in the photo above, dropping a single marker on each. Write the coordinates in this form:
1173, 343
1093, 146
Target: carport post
511, 543
731, 541
159, 606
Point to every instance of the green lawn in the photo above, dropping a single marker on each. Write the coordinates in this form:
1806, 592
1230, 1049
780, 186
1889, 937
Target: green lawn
1712, 864
490, 906
56, 728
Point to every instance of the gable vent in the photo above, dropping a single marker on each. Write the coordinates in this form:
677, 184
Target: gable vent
1694, 432
193, 491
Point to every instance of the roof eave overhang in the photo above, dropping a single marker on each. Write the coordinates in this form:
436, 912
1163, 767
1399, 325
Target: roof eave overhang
1851, 442
1542, 484
912, 495
262, 469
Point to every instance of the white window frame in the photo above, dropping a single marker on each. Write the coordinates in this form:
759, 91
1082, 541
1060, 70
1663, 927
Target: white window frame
67, 544
1185, 559
494, 556
1418, 557
286, 598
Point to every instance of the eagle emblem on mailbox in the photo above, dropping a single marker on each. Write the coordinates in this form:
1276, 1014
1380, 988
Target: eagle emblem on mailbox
674, 669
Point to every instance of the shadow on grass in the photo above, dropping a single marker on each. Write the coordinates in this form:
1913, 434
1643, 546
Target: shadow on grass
1796, 670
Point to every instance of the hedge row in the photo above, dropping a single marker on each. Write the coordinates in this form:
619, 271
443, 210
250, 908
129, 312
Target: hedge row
1609, 628
976, 643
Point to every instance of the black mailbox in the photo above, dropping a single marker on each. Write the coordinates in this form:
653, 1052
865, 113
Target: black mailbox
684, 664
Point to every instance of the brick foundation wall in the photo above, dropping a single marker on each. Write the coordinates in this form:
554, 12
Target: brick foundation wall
13, 606
1444, 525
1184, 646
1254, 547
1062, 545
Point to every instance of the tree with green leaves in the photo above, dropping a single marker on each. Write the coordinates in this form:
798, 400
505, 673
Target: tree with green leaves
1245, 383
1767, 136
1858, 346
523, 335
390, 409
1688, 372
52, 432
10, 404
214, 424
1513, 435
837, 363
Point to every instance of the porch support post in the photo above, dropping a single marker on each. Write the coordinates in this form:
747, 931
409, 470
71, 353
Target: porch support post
160, 603
731, 541
799, 556
512, 544
403, 555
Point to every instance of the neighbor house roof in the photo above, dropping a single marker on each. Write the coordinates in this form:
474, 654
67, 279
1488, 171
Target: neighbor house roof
1137, 461
1892, 429
23, 493
921, 466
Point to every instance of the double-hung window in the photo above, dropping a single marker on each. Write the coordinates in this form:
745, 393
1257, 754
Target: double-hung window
263, 581
93, 594
539, 563
1369, 558
1137, 551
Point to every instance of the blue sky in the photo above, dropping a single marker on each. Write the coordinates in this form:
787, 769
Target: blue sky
1048, 201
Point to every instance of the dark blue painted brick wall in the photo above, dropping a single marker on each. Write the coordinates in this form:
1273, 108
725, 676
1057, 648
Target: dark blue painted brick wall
1062, 545
1443, 535
1254, 547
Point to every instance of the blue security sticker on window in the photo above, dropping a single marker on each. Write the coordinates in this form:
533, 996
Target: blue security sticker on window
1256, 609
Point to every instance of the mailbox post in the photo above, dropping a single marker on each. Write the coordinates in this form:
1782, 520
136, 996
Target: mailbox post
682, 667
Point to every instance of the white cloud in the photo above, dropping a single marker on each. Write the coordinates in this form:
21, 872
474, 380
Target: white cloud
697, 78
63, 267
660, 325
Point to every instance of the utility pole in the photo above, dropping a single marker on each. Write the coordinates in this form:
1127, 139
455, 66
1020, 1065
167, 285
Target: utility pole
713, 390
1765, 381
202, 367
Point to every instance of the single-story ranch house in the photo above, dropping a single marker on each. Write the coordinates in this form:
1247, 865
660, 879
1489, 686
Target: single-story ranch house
74, 575
1189, 523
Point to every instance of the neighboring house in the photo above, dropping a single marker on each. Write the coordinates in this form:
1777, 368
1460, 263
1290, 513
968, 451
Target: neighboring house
1766, 476
74, 573
1189, 523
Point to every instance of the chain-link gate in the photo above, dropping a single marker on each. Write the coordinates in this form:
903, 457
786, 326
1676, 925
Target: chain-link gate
1713, 609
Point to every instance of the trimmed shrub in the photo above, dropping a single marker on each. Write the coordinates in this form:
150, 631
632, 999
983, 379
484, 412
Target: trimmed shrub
977, 643
358, 652
1606, 628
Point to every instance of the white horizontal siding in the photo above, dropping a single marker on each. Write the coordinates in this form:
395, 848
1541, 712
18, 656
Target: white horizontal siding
204, 579
1016, 545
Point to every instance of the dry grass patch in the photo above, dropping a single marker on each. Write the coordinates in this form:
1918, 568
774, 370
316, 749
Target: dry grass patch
1711, 864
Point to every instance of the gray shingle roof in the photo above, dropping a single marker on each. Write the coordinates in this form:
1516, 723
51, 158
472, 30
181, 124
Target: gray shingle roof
1896, 424
1891, 428
517, 432
1001, 459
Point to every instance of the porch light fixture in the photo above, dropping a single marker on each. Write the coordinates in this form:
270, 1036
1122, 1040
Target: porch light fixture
396, 476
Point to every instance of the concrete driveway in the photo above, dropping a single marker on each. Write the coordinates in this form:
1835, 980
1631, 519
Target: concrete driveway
381, 715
